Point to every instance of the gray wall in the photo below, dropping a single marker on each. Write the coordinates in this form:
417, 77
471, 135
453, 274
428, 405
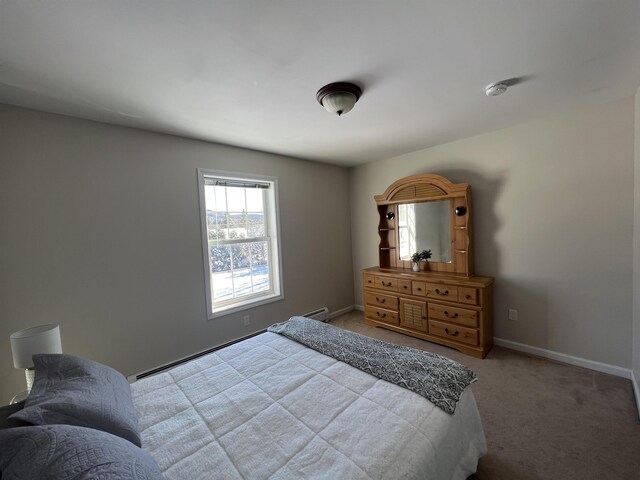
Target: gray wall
100, 232
553, 218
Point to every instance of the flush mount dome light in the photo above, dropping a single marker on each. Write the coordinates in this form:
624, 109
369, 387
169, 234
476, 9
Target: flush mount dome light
338, 98
495, 89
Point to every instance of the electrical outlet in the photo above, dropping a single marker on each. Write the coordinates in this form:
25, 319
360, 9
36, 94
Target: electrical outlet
247, 320
513, 315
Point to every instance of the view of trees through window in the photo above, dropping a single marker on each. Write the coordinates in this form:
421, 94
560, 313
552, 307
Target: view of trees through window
238, 241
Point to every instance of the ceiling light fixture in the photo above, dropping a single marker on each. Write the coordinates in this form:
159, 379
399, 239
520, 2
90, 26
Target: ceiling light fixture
339, 97
495, 89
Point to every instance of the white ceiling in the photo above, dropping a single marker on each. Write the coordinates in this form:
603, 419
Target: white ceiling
245, 72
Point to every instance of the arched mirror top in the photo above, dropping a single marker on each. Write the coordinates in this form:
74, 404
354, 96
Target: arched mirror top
422, 188
408, 226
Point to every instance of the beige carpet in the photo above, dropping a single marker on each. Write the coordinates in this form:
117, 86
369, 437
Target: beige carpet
543, 420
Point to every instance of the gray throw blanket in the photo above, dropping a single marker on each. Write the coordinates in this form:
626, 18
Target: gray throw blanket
437, 378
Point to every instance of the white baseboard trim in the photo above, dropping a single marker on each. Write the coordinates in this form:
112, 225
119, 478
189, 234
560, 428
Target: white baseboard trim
358, 307
342, 311
564, 358
636, 390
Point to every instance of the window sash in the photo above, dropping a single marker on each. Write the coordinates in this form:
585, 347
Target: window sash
227, 225
231, 241
241, 298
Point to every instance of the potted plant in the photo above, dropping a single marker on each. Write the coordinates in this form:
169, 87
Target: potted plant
418, 257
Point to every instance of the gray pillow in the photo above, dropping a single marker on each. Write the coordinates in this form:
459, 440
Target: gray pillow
74, 391
66, 451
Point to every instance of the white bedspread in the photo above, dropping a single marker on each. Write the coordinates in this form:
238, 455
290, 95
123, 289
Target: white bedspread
269, 407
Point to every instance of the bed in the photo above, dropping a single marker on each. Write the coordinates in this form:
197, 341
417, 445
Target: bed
269, 407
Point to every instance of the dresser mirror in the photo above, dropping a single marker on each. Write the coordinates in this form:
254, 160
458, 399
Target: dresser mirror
425, 226
426, 212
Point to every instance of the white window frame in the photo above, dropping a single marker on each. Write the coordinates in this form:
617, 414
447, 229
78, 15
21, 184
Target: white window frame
272, 215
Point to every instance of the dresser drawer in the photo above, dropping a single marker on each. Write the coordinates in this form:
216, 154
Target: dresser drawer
419, 288
388, 302
404, 286
454, 332
369, 280
381, 314
445, 292
468, 295
461, 316
386, 283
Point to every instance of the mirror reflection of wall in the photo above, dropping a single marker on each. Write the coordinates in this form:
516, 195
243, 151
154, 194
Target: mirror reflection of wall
425, 226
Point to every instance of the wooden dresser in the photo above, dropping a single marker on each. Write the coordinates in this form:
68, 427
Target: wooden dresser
441, 308
443, 302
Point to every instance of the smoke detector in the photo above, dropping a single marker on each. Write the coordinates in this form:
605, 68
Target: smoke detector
495, 89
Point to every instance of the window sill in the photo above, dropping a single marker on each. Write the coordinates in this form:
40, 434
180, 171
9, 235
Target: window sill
251, 303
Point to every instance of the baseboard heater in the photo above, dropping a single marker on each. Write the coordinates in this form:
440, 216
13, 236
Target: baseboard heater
148, 373
321, 314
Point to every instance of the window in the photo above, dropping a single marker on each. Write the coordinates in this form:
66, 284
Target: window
240, 239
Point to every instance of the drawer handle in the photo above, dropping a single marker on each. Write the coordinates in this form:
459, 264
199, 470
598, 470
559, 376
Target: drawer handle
467, 296
445, 293
419, 289
405, 287
386, 284
446, 314
381, 301
454, 334
381, 316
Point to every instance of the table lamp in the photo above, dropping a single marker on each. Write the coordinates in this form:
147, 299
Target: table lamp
28, 342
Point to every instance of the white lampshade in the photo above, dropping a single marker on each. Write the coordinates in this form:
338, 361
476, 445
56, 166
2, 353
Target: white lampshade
28, 342
339, 102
